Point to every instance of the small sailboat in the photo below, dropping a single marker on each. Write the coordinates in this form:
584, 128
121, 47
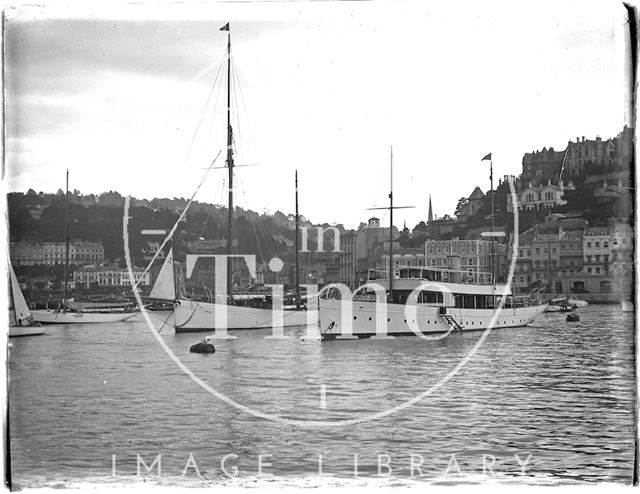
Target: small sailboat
20, 320
71, 313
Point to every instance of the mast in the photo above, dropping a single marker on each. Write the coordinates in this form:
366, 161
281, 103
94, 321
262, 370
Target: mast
391, 207
66, 240
297, 254
391, 224
229, 166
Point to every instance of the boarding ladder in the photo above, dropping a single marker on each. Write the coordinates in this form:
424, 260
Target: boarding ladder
451, 321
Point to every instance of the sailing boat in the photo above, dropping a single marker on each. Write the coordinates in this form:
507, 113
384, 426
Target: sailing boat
68, 314
421, 300
223, 313
20, 320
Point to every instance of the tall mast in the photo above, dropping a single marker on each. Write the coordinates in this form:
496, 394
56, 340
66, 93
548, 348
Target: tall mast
297, 254
391, 225
229, 166
391, 207
66, 240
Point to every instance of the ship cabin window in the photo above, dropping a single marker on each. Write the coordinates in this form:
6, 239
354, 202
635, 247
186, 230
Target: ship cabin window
464, 301
427, 297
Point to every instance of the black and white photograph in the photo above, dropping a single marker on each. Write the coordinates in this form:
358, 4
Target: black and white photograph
319, 244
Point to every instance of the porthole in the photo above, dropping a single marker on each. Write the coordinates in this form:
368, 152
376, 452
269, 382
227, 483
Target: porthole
355, 317
369, 319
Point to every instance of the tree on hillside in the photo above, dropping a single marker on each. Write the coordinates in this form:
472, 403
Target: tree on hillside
461, 202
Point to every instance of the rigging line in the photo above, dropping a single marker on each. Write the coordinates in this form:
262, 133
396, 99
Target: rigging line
236, 114
245, 202
204, 110
244, 106
218, 198
257, 241
213, 119
175, 226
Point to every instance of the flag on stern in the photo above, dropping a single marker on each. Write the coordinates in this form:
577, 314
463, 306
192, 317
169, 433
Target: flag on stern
225, 27
487, 157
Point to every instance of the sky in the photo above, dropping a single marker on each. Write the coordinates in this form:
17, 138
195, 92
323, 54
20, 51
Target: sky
119, 97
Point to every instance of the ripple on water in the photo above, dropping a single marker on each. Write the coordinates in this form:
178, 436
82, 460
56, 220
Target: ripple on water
560, 392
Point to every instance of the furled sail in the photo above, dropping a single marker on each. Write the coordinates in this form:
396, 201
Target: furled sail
165, 287
20, 307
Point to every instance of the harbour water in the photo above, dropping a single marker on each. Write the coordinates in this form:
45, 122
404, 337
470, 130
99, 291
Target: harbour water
86, 400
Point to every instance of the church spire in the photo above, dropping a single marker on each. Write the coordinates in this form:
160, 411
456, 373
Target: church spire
430, 218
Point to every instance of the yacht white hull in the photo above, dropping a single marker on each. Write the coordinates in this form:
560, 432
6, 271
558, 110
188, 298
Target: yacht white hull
25, 331
48, 316
428, 319
192, 317
627, 306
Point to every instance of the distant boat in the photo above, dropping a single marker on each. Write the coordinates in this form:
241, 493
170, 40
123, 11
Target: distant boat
627, 306
20, 320
70, 313
64, 316
571, 302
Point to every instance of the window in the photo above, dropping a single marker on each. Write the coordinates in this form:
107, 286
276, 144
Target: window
597, 270
605, 244
528, 252
470, 261
598, 258
597, 245
589, 258
553, 250
588, 245
589, 270
537, 251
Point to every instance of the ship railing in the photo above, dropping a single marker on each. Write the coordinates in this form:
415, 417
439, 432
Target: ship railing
432, 273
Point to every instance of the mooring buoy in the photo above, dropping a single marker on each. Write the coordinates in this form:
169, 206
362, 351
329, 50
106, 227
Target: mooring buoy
202, 347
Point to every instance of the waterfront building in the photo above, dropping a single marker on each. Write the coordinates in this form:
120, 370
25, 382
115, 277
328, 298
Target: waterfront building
550, 254
471, 257
412, 257
360, 251
90, 275
53, 253
570, 258
622, 258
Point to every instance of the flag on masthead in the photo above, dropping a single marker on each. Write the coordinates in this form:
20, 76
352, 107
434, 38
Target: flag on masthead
225, 27
487, 157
